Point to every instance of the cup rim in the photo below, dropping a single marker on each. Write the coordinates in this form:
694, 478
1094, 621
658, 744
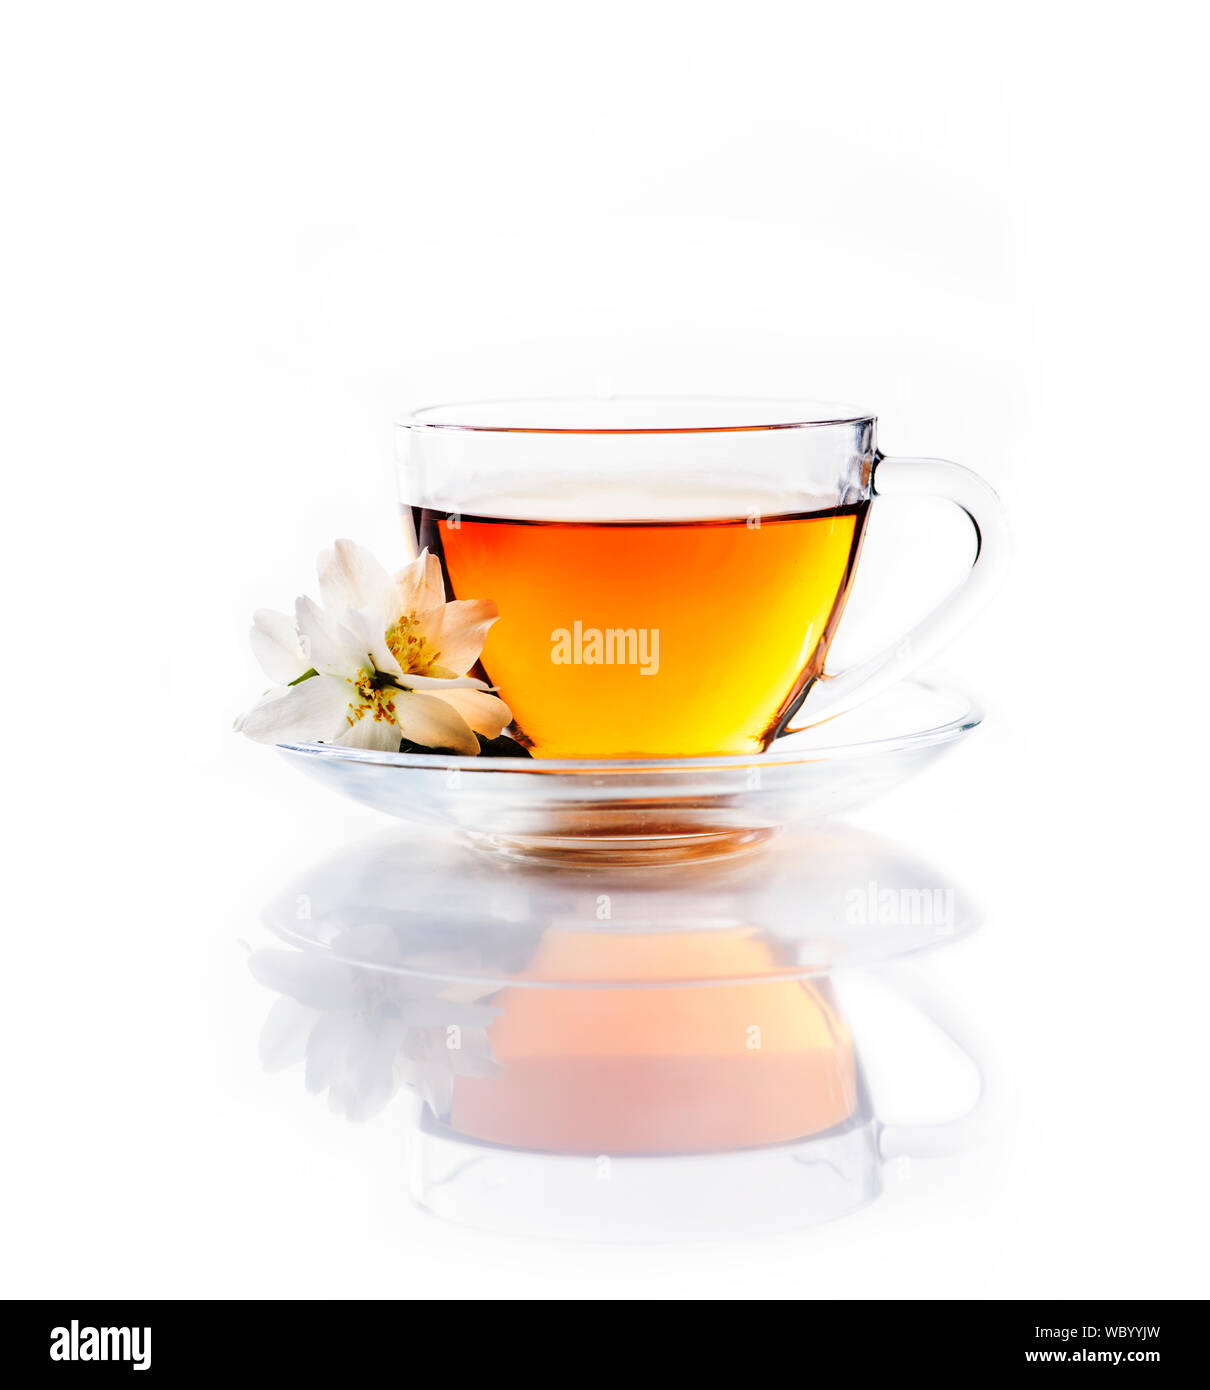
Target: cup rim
635, 414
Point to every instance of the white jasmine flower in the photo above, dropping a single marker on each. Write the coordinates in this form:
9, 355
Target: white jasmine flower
382, 660
364, 1033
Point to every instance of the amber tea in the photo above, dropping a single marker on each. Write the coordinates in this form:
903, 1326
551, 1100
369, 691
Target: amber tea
660, 638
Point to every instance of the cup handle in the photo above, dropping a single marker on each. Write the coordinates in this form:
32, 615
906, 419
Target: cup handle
831, 695
945, 1137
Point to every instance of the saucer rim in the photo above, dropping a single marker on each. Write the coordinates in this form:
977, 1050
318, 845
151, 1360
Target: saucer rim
971, 718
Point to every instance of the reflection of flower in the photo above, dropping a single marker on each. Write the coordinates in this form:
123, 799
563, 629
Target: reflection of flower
381, 661
362, 1033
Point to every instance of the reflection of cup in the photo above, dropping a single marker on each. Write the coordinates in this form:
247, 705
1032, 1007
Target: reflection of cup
651, 1069
669, 573
524, 1161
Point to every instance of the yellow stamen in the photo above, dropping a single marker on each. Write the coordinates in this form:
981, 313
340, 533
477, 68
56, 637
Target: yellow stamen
376, 701
410, 647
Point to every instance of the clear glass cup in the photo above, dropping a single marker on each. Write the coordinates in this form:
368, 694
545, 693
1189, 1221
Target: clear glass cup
670, 573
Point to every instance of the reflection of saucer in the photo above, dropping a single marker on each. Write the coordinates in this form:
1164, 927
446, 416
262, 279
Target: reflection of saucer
613, 1053
660, 809
810, 902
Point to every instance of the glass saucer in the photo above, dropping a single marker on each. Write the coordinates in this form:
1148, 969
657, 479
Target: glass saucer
656, 810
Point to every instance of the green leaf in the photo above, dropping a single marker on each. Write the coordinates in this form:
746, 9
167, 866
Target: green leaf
306, 676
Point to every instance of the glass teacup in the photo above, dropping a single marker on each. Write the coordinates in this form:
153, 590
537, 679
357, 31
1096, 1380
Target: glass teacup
669, 573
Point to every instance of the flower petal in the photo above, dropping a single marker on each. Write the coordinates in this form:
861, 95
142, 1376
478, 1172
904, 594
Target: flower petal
486, 714
283, 1038
433, 723
462, 631
327, 1050
313, 712
275, 645
368, 732
365, 629
332, 652
419, 587
313, 981
436, 684
350, 577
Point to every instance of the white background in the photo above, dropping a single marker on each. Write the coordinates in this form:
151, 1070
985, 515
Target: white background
239, 239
